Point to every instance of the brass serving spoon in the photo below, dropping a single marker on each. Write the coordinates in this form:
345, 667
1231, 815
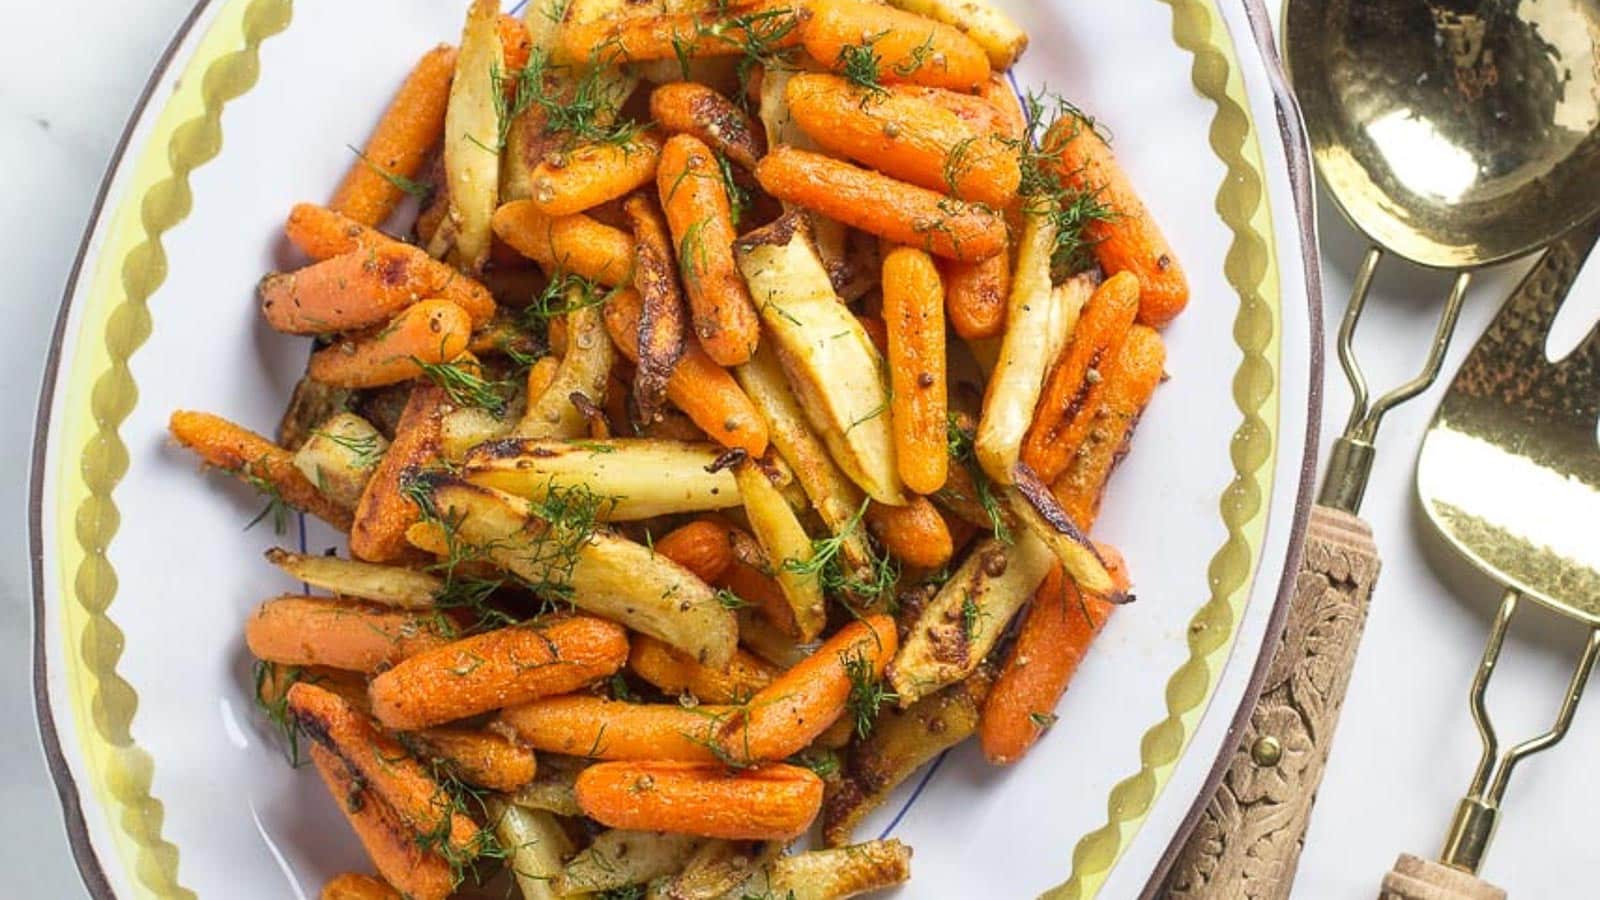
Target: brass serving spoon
1455, 134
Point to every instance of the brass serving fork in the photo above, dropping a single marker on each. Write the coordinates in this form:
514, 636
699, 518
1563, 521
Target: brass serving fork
1510, 475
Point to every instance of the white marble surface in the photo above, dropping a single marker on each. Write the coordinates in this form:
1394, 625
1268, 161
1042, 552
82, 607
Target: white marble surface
1406, 745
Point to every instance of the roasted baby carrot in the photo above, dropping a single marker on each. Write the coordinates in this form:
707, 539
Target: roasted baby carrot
350, 886
1128, 240
433, 331
1130, 380
775, 802
397, 853
702, 547
496, 669
1054, 635
906, 137
1012, 123
701, 218
661, 312
976, 294
575, 244
321, 233
728, 31
908, 47
256, 461
384, 766
399, 146
747, 578
366, 287
515, 46
479, 757
686, 107
915, 533
597, 728
704, 390
385, 510
1071, 397
675, 672
321, 631
589, 175
880, 205
913, 312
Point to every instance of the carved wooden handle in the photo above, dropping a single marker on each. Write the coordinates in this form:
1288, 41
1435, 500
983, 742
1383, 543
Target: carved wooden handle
1247, 843
1413, 878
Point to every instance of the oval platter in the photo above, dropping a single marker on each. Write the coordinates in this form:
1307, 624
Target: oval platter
173, 786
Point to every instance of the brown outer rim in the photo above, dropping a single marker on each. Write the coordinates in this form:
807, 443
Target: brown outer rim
1297, 152
1290, 129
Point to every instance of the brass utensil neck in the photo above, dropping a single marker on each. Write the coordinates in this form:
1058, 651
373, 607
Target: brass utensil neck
1349, 467
1470, 833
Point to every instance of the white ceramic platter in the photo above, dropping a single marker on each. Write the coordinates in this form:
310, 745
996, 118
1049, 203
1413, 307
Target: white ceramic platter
173, 785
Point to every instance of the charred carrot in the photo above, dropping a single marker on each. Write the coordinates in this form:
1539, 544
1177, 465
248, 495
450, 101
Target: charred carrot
321, 233
880, 205
433, 331
907, 138
908, 47
1128, 240
366, 287
678, 673
1130, 380
383, 765
589, 175
497, 669
730, 31
686, 107
1071, 398
661, 312
575, 244
385, 511
350, 886
597, 728
976, 294
701, 218
319, 631
913, 311
396, 852
1055, 633
704, 390
775, 802
398, 147
915, 533
701, 546
479, 757
256, 461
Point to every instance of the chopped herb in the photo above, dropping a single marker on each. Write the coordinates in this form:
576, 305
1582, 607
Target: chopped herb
958, 163
693, 256
959, 443
419, 189
1043, 721
729, 600
738, 197
277, 508
276, 707
823, 762
919, 55
971, 617
756, 35
827, 562
1044, 193
860, 65
867, 693
565, 293
588, 112
466, 387
364, 448
455, 797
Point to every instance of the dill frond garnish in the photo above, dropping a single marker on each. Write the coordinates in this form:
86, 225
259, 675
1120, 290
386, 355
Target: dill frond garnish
757, 36
1044, 192
276, 707
466, 387
1042, 721
861, 65
867, 691
959, 444
419, 189
587, 113
363, 448
738, 197
277, 508
827, 563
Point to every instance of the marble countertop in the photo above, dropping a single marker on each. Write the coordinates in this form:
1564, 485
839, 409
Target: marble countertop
1406, 744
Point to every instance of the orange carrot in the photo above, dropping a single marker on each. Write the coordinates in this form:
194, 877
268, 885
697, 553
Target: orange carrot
433, 331
979, 115
784, 717
915, 533
1002, 97
770, 24
497, 669
976, 296
590, 175
256, 461
366, 287
570, 244
478, 757
1130, 379
1054, 635
675, 672
774, 802
702, 547
748, 579
383, 765
880, 205
913, 310
394, 848
661, 316
906, 137
597, 728
321, 233
1071, 397
701, 217
702, 389
515, 46
909, 47
350, 886
1129, 240
319, 631
398, 147
385, 511
686, 107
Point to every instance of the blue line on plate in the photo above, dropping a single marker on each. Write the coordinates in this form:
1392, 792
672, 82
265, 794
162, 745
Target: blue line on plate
911, 801
304, 588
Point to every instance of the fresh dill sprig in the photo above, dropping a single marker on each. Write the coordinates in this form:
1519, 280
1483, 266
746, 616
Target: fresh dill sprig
455, 797
589, 112
565, 293
827, 562
693, 256
729, 600
1042, 721
867, 691
823, 762
277, 508
756, 35
861, 65
972, 616
1044, 191
276, 707
738, 197
364, 448
466, 387
959, 443
919, 56
958, 163
419, 189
